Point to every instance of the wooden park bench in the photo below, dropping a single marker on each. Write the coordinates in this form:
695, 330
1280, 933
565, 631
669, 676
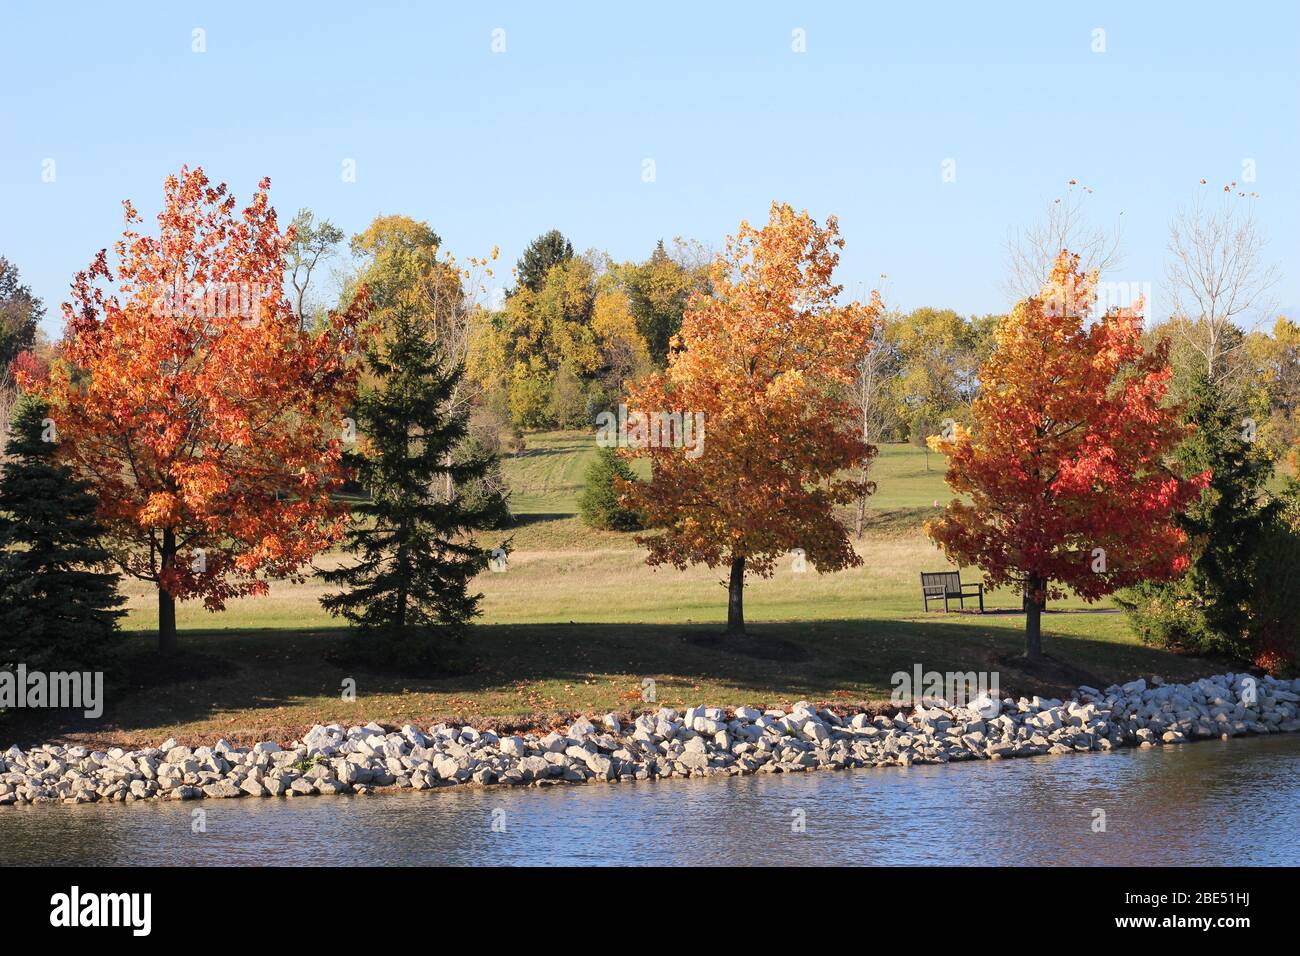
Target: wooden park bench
948, 586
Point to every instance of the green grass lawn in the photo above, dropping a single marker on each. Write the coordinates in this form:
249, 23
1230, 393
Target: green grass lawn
578, 622
547, 477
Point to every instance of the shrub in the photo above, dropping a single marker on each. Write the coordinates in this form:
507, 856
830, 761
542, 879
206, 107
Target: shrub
599, 499
530, 392
568, 400
1168, 614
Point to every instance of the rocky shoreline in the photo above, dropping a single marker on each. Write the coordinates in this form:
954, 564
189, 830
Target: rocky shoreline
661, 743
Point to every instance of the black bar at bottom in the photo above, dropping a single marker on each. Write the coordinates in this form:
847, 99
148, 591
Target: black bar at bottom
1217, 902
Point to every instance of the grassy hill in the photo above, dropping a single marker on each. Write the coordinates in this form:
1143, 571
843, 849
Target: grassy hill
578, 622
562, 571
547, 477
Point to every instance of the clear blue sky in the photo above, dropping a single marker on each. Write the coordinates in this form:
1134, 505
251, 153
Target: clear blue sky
496, 148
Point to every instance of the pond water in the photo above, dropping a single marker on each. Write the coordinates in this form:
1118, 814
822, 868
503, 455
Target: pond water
1219, 802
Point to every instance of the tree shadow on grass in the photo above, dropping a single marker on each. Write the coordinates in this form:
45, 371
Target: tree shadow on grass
893, 521
1019, 612
560, 449
257, 672
524, 520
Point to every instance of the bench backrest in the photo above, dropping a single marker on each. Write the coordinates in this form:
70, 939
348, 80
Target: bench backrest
949, 581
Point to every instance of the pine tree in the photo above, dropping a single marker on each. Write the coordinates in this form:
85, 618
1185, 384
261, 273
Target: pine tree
1231, 515
598, 502
415, 550
1275, 579
1208, 608
547, 250
57, 607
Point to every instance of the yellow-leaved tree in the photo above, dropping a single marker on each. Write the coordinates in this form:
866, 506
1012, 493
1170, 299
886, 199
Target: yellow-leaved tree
747, 430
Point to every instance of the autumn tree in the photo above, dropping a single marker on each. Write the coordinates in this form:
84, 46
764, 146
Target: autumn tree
659, 290
207, 422
938, 359
557, 352
564, 307
766, 361
1064, 479
1277, 356
20, 316
623, 352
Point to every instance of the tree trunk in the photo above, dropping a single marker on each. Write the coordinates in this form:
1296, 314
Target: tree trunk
403, 577
166, 602
736, 598
1034, 619
860, 518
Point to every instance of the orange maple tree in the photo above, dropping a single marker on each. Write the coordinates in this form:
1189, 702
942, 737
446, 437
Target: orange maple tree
1065, 479
210, 426
762, 363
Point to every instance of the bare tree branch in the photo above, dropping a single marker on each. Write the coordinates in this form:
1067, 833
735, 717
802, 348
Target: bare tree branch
1065, 225
1217, 275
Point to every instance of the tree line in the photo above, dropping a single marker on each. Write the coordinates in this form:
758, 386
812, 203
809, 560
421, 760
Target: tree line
224, 449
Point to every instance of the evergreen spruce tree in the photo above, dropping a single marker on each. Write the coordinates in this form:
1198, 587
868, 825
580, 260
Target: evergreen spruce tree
546, 251
408, 590
1275, 575
57, 604
1209, 607
598, 502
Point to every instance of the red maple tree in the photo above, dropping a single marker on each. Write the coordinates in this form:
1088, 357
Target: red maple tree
1065, 479
209, 424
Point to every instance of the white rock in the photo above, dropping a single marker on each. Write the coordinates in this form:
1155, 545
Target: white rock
815, 731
